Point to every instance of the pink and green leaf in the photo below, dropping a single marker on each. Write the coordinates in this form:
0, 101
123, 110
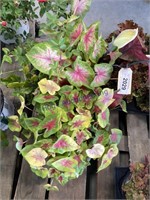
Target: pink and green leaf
76, 34
98, 50
65, 103
32, 123
80, 122
88, 100
19, 142
65, 164
107, 158
103, 74
13, 123
102, 137
51, 124
64, 144
96, 151
81, 75
116, 135
105, 99
80, 7
42, 55
41, 98
103, 118
89, 39
36, 157
48, 86
81, 136
40, 171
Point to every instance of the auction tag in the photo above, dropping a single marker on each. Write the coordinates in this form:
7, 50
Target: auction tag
124, 81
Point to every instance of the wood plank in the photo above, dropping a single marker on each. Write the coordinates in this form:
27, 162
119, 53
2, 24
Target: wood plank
74, 189
123, 145
7, 167
137, 137
106, 178
29, 185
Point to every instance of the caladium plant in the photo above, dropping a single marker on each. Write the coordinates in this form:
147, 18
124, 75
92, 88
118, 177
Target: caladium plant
64, 101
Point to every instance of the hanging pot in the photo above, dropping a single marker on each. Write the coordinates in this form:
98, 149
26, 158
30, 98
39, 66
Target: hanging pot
6, 109
24, 27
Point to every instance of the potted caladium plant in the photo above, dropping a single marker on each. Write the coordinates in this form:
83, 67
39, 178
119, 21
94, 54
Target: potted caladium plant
64, 101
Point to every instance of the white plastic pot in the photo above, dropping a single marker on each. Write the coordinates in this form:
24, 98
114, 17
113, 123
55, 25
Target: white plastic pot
24, 27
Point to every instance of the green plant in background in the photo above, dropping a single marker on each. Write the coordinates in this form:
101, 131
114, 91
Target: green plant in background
134, 56
11, 14
64, 101
137, 187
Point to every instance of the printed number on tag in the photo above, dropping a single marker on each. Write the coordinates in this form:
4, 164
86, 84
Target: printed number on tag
124, 81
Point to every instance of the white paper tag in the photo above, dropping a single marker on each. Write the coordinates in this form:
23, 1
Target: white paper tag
124, 81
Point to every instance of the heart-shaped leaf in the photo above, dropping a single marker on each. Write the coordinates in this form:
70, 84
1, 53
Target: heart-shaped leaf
36, 157
48, 86
80, 122
32, 123
42, 55
81, 136
107, 158
116, 135
96, 151
105, 99
103, 73
40, 171
76, 34
81, 75
13, 123
65, 103
79, 7
65, 164
125, 37
65, 144
45, 98
103, 118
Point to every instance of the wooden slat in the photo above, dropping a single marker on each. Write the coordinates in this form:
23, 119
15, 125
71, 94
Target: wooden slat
137, 137
7, 167
123, 146
106, 178
29, 185
74, 189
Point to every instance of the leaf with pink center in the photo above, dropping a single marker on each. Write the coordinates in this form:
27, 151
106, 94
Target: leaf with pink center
32, 123
41, 98
40, 171
81, 74
64, 144
80, 7
105, 99
103, 73
103, 118
102, 137
48, 86
81, 136
42, 55
65, 164
76, 98
36, 157
107, 158
19, 143
96, 151
13, 123
65, 103
98, 50
51, 124
116, 135
88, 100
80, 122
89, 39
76, 34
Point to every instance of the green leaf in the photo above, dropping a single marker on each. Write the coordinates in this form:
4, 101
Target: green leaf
125, 37
22, 100
116, 135
13, 123
40, 98
50, 187
7, 58
64, 144
40, 171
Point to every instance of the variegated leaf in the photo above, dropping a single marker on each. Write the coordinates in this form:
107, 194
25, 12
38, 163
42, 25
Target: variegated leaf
36, 157
50, 187
103, 118
22, 100
48, 86
76, 34
80, 122
81, 75
42, 55
32, 123
65, 164
41, 98
103, 73
64, 144
79, 7
96, 151
13, 123
81, 136
116, 135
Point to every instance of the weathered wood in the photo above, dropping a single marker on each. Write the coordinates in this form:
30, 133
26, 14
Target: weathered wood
29, 185
7, 167
74, 189
138, 140
106, 178
123, 146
